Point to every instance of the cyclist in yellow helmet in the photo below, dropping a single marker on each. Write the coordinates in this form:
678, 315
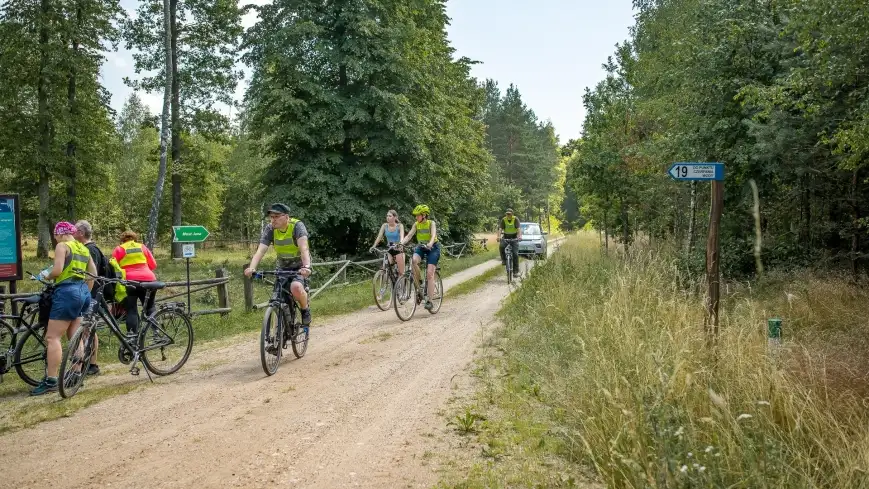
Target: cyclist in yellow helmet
427, 247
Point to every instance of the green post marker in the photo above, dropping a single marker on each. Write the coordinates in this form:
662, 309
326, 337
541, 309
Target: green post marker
773, 327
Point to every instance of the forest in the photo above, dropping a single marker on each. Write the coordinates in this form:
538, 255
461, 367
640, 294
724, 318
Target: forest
352, 108
777, 90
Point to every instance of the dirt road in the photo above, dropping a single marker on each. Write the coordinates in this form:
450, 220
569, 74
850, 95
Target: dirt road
359, 410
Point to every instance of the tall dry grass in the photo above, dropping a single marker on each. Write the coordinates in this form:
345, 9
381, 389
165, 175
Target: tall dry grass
611, 353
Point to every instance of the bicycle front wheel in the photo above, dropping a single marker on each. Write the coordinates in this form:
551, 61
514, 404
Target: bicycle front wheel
167, 342
382, 290
76, 359
438, 297
404, 297
270, 340
509, 269
30, 356
300, 340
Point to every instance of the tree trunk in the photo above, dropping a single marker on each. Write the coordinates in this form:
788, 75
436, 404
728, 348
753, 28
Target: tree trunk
164, 131
176, 126
692, 218
43, 245
606, 231
626, 232
806, 213
855, 236
73, 117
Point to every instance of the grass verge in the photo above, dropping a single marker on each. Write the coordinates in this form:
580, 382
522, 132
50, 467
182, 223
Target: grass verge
601, 375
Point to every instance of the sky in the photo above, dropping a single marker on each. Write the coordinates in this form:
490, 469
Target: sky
550, 49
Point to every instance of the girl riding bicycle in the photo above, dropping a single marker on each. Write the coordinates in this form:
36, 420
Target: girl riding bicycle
393, 231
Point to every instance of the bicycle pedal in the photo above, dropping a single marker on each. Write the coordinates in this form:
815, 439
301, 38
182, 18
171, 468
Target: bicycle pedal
134, 371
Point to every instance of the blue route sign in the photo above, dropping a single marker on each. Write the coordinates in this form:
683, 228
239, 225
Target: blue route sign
10, 238
697, 171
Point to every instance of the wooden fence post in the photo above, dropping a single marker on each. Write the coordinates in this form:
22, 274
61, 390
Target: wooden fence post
344, 275
222, 291
248, 291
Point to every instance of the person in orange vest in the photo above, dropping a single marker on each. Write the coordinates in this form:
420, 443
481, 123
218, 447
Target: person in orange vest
138, 264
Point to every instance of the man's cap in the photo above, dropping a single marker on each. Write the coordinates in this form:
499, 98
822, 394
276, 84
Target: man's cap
278, 208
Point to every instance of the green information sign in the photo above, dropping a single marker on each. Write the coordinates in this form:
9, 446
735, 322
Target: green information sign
189, 234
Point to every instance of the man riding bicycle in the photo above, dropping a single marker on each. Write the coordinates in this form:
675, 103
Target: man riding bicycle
509, 228
289, 236
427, 248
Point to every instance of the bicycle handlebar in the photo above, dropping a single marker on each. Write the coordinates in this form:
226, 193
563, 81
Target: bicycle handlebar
37, 279
278, 273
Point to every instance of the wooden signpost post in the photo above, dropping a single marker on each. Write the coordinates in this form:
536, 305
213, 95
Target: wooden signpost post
713, 172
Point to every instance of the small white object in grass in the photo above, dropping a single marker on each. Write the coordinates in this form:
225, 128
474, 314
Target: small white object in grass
744, 416
763, 403
708, 449
684, 469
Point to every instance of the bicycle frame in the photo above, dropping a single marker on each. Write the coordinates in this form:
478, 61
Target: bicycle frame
102, 308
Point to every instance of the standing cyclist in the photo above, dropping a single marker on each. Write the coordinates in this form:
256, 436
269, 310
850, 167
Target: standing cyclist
289, 236
427, 248
509, 228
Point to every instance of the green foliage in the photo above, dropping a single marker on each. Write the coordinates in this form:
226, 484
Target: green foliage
525, 173
361, 108
208, 33
775, 90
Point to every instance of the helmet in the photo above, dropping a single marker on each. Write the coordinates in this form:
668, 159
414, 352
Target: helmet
278, 208
421, 209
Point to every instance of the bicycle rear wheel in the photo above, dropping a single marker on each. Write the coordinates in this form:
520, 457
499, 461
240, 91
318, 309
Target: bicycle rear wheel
438, 298
382, 290
76, 359
30, 356
270, 340
167, 342
404, 297
7, 345
300, 340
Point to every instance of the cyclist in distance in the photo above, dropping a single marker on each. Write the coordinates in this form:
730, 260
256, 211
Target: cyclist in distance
289, 236
509, 228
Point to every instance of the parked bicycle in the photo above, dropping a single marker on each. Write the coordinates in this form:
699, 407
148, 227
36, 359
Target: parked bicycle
162, 344
508, 253
407, 296
281, 322
22, 338
385, 278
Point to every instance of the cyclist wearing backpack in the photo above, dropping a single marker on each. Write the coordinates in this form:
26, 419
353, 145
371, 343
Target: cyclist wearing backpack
84, 234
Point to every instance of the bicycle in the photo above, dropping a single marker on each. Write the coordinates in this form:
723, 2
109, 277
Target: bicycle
385, 278
275, 334
149, 345
508, 254
27, 353
406, 293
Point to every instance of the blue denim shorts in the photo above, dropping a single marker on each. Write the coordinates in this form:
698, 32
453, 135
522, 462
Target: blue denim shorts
69, 301
432, 257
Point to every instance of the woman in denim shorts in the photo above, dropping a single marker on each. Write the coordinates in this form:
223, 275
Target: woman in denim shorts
70, 299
